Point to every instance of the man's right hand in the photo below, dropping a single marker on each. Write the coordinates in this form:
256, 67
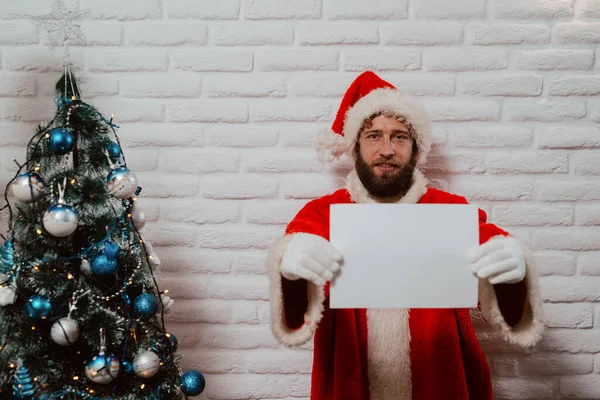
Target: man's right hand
310, 257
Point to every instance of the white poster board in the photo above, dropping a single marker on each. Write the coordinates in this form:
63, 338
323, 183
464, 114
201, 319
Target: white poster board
404, 255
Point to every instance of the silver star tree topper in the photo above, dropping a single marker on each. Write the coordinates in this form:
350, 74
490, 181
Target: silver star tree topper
62, 25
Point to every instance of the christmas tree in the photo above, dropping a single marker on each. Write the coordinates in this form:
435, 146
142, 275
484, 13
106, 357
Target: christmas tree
81, 313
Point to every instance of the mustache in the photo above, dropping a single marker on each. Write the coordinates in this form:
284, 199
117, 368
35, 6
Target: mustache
386, 162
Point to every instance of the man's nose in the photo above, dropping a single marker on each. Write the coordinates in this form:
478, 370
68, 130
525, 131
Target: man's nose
387, 148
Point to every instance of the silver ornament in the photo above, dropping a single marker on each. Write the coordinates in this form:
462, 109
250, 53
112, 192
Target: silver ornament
167, 303
22, 190
60, 220
103, 368
146, 364
138, 217
65, 331
85, 267
121, 183
7, 292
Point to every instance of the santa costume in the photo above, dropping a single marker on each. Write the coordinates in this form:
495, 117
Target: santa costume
384, 354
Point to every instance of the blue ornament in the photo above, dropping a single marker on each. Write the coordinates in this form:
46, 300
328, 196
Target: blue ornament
38, 307
192, 383
121, 183
174, 341
127, 367
111, 250
103, 266
61, 141
23, 386
113, 150
60, 220
145, 305
103, 368
7, 251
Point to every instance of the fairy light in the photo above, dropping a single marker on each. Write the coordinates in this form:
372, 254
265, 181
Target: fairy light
39, 232
75, 378
33, 328
12, 365
143, 386
70, 276
73, 181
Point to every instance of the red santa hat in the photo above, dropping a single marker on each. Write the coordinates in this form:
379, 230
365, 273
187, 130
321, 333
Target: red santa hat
368, 95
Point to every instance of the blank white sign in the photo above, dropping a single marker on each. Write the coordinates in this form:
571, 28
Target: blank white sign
404, 255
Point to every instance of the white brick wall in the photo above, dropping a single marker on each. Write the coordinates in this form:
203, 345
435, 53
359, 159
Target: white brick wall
219, 102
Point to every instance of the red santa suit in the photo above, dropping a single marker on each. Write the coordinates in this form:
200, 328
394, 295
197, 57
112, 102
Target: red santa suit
383, 354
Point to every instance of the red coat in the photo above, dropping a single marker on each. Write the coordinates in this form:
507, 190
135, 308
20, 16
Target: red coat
421, 354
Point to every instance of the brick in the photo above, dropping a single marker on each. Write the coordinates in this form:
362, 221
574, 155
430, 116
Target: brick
556, 364
568, 138
568, 190
30, 110
572, 289
279, 362
271, 212
196, 161
504, 85
250, 136
527, 163
519, 388
298, 135
17, 33
159, 85
587, 9
17, 84
95, 85
533, 215
487, 135
21, 9
142, 159
581, 238
593, 106
131, 110
167, 33
309, 186
572, 316
585, 85
503, 366
459, 60
200, 211
449, 9
129, 60
170, 235
505, 33
203, 9
16, 134
214, 311
153, 134
23, 59
236, 337
298, 111
250, 287
297, 60
254, 35
208, 111
132, 10
382, 60
215, 361
327, 34
263, 386
357, 9
282, 9
587, 163
485, 190
577, 32
238, 187
236, 237
168, 185
555, 262
232, 85
554, 59
311, 84
417, 84
462, 110
213, 60
469, 163
589, 263
587, 214
546, 110
531, 9
422, 33
191, 260
251, 262
101, 34
439, 137
281, 161
579, 387
570, 340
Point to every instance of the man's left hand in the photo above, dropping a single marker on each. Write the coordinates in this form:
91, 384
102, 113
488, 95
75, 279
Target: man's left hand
500, 260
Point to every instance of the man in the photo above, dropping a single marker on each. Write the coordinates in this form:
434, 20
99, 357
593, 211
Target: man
422, 354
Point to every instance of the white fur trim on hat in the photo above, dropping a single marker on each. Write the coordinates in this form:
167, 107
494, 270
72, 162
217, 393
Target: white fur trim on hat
391, 100
329, 145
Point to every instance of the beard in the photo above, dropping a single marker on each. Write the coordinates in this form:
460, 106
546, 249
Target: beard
389, 184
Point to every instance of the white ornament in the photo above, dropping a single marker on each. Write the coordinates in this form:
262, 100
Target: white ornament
138, 217
146, 364
167, 303
7, 292
65, 331
28, 187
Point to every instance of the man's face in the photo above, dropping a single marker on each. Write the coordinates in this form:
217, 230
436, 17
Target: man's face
385, 160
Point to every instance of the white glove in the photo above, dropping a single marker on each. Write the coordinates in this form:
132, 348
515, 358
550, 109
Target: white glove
310, 257
500, 260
